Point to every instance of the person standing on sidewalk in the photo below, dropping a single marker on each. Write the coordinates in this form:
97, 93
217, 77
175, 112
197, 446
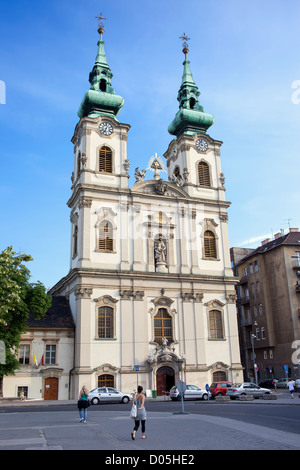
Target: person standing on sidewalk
139, 400
83, 404
291, 387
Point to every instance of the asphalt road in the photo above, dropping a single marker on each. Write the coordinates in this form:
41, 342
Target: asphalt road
204, 426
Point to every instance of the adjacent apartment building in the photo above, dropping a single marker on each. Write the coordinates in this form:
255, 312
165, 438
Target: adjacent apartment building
268, 306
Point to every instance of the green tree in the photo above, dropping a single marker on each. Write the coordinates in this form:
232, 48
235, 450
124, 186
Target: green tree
18, 297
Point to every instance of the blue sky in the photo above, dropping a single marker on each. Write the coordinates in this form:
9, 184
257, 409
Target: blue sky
244, 58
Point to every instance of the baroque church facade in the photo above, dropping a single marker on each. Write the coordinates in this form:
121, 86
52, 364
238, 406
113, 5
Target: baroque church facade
150, 284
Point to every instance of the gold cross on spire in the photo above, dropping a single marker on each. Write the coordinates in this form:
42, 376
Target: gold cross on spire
185, 40
101, 25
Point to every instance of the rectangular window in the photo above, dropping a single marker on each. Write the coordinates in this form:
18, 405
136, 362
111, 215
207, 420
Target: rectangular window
50, 356
263, 333
215, 325
22, 392
257, 333
24, 354
265, 355
105, 322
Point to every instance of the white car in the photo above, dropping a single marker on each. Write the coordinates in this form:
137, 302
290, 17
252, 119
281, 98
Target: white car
108, 394
192, 393
247, 388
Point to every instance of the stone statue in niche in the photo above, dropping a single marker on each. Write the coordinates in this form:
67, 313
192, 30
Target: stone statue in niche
160, 252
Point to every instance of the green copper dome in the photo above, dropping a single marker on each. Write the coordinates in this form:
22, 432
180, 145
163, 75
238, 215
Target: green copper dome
191, 118
100, 99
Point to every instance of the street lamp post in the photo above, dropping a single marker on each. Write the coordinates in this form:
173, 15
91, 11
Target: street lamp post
253, 354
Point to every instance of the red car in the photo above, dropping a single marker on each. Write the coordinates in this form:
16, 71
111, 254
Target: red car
219, 388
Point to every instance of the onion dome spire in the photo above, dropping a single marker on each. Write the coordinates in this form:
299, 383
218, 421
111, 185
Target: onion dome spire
100, 99
191, 118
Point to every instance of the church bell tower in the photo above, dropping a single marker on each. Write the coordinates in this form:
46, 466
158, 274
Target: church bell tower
100, 161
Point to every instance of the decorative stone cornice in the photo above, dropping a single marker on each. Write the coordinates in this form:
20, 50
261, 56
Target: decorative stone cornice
127, 294
187, 296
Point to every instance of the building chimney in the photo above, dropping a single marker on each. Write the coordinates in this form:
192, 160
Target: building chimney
294, 230
264, 242
277, 235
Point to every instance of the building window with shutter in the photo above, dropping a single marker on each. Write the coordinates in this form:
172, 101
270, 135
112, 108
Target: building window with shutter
210, 248
215, 325
203, 174
105, 241
105, 160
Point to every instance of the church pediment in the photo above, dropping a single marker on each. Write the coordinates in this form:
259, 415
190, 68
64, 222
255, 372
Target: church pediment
159, 188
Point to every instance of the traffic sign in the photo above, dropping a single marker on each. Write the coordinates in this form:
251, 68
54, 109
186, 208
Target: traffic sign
181, 387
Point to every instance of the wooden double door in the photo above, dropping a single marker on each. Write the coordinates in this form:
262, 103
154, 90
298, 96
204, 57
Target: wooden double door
165, 380
51, 388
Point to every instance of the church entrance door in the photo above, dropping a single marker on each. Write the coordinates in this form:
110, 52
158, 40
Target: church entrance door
165, 380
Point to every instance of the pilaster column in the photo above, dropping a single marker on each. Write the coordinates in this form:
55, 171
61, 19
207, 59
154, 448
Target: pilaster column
84, 249
83, 327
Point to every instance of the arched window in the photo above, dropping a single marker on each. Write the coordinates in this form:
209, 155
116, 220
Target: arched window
105, 322
215, 325
106, 380
163, 326
105, 242
203, 174
210, 248
102, 85
105, 159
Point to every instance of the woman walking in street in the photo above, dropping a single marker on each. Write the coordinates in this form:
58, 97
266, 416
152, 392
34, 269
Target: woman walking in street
139, 400
83, 404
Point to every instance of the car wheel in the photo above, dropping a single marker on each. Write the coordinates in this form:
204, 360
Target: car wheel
219, 394
205, 397
125, 400
95, 401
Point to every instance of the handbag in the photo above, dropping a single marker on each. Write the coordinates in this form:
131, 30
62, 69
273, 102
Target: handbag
133, 412
81, 404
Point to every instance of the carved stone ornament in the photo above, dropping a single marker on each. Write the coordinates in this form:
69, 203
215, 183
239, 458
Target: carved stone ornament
127, 294
85, 202
139, 175
82, 292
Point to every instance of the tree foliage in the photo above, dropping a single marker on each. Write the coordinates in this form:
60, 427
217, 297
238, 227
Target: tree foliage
18, 297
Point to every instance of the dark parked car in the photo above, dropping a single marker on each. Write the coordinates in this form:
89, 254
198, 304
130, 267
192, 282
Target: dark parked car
219, 388
268, 383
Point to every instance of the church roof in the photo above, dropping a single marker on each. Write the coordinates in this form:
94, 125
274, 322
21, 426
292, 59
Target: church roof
59, 315
291, 238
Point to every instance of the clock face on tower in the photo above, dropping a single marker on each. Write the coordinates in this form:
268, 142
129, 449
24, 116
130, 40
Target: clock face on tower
106, 128
201, 145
